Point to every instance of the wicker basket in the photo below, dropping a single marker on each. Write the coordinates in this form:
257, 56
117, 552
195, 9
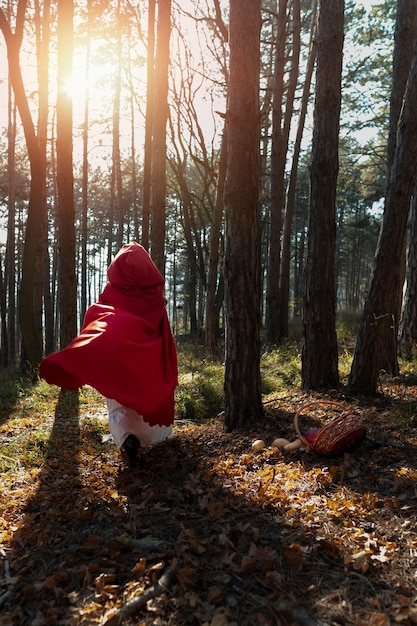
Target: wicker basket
342, 433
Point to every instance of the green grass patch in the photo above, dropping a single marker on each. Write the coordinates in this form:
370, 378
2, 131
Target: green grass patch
30, 411
281, 369
199, 394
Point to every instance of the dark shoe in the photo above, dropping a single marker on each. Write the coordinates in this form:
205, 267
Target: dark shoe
130, 449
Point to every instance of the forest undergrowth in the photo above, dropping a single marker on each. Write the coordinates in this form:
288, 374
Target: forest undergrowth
207, 531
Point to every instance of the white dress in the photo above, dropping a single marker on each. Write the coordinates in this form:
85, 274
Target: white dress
124, 422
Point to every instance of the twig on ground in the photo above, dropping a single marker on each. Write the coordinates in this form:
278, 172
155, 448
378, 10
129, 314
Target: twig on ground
391, 444
134, 606
150, 544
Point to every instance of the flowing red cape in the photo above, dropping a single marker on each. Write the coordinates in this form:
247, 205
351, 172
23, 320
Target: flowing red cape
125, 349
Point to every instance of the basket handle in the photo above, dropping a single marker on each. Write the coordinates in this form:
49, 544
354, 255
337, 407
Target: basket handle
305, 406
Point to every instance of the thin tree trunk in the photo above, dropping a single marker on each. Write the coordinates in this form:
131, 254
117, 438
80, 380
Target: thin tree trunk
31, 339
149, 122
278, 154
9, 336
84, 199
158, 208
134, 183
117, 166
408, 327
212, 310
66, 211
42, 46
4, 351
290, 199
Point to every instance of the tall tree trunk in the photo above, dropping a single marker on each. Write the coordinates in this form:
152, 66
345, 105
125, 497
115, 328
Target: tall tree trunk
405, 38
280, 137
381, 304
116, 164
278, 154
290, 199
84, 195
66, 212
44, 301
212, 308
149, 122
319, 352
408, 327
133, 179
158, 185
4, 349
31, 338
191, 274
42, 22
242, 384
8, 339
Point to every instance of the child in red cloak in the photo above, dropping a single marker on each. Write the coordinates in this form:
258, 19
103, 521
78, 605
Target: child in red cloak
127, 352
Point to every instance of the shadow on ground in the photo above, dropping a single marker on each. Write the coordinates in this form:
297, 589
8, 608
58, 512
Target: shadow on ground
259, 539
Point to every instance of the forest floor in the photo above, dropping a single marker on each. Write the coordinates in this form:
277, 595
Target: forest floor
207, 532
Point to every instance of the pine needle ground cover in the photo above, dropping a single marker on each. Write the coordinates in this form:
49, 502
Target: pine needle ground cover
207, 532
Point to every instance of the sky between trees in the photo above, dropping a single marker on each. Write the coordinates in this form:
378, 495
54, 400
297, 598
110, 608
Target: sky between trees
100, 84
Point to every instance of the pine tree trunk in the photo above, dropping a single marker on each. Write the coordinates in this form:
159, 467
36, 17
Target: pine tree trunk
242, 385
381, 306
149, 121
212, 309
31, 338
9, 338
278, 156
408, 327
84, 201
65, 179
404, 41
290, 199
158, 185
319, 352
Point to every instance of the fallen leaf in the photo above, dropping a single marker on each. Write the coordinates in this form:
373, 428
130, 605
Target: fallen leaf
258, 559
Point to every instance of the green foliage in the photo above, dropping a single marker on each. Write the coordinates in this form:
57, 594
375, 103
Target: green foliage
12, 386
199, 394
41, 418
347, 326
29, 448
280, 369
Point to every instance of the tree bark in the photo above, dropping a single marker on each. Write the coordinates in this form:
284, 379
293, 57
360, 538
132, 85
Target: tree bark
116, 159
408, 326
290, 199
278, 153
4, 349
149, 121
65, 178
31, 339
319, 351
158, 181
404, 40
381, 307
42, 21
242, 385
212, 308
9, 342
84, 193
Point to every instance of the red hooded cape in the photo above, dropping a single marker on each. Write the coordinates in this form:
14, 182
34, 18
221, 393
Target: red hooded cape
125, 349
